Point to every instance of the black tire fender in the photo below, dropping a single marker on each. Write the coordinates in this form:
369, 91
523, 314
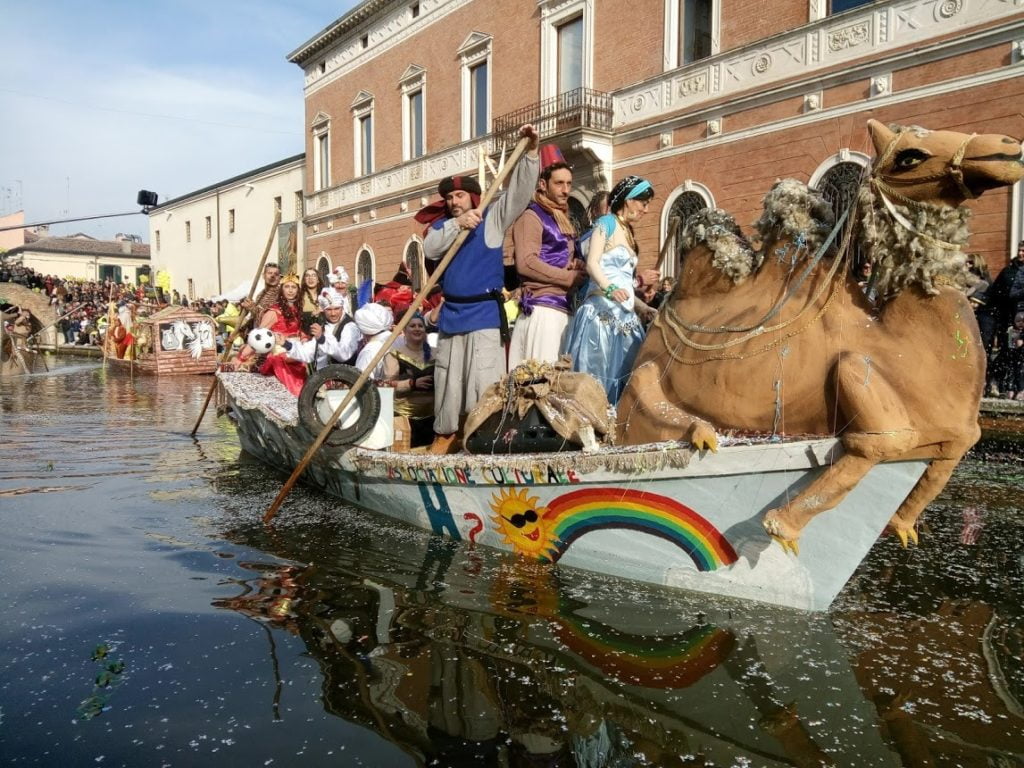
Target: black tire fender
367, 398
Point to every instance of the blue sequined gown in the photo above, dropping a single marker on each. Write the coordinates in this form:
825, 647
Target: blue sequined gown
605, 335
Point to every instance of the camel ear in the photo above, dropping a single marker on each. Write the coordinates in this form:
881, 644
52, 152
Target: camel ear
881, 136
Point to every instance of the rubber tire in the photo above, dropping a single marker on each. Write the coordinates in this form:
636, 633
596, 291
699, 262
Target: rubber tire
368, 399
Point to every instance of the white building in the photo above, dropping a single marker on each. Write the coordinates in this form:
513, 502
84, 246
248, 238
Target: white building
210, 241
80, 257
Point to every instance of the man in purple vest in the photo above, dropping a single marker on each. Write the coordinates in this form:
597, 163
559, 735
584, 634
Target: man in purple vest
544, 242
470, 353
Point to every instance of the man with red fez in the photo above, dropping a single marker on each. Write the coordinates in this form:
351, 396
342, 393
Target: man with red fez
470, 351
544, 244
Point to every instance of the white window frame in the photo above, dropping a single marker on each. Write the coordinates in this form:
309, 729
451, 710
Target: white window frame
321, 129
419, 256
362, 107
554, 13
373, 265
673, 8
844, 155
475, 50
413, 81
669, 267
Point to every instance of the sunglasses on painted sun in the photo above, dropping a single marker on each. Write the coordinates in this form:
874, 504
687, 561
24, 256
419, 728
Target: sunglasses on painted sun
518, 521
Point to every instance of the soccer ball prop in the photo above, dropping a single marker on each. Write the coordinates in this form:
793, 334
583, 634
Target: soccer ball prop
261, 340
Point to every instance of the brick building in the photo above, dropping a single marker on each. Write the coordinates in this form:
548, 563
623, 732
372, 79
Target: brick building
711, 100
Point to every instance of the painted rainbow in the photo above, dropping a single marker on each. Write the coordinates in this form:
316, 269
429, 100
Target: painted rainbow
571, 515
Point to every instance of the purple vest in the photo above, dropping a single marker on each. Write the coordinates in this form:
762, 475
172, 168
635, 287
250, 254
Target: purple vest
554, 251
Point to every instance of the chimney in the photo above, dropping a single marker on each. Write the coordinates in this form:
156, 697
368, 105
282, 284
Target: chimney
126, 247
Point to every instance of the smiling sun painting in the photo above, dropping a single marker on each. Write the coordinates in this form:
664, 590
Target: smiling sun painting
546, 532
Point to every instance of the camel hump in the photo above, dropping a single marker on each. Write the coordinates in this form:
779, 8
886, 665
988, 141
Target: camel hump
794, 211
718, 231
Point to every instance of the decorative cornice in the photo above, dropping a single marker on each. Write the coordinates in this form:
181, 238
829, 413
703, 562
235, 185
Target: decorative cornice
960, 85
400, 180
877, 30
384, 24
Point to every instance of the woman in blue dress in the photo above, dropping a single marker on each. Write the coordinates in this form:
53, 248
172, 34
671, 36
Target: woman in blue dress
605, 333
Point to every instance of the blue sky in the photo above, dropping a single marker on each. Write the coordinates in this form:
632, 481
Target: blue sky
101, 99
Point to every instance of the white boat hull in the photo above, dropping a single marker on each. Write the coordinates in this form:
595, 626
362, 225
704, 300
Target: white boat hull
663, 513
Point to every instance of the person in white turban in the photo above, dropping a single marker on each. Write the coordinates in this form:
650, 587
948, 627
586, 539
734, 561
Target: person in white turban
337, 283
335, 338
374, 321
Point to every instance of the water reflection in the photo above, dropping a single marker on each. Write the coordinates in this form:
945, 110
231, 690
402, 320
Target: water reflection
477, 658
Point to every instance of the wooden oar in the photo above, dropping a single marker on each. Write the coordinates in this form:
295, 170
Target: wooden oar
242, 319
367, 372
670, 237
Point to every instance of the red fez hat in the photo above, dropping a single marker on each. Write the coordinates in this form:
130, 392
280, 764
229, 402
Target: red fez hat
549, 155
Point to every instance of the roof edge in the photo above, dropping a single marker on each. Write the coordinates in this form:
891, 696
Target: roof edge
335, 30
227, 182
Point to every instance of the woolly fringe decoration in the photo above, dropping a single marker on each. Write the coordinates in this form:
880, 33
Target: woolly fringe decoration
718, 231
262, 393
901, 258
636, 460
793, 211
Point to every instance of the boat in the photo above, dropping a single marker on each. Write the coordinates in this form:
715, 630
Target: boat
661, 513
171, 342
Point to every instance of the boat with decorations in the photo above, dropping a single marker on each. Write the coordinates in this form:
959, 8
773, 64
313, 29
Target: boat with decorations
662, 513
171, 342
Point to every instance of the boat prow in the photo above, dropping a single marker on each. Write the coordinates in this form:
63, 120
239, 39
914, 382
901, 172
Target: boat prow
661, 513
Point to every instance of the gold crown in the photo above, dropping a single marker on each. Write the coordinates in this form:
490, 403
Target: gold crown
291, 278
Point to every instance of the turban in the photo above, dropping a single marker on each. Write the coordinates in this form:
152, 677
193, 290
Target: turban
372, 319
331, 298
452, 183
339, 275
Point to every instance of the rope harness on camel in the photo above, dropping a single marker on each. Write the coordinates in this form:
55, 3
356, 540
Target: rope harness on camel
668, 319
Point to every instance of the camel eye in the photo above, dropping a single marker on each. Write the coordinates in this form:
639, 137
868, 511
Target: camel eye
909, 158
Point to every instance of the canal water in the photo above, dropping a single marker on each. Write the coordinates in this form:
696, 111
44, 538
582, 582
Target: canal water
151, 620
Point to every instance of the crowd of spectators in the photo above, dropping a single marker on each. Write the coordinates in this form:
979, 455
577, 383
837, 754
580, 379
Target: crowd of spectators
81, 306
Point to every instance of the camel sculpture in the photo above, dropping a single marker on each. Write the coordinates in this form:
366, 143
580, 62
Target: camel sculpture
782, 339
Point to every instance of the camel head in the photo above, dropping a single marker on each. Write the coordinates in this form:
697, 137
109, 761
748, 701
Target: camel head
942, 168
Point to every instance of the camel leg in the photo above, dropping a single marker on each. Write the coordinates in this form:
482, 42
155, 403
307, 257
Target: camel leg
647, 415
930, 485
877, 430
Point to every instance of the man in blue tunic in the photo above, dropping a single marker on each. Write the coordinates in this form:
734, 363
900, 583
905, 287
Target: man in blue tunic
470, 351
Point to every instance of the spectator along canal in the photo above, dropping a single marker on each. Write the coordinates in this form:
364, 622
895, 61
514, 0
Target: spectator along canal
152, 620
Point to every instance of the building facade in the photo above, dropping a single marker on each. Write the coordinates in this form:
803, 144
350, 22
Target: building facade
80, 257
210, 241
712, 100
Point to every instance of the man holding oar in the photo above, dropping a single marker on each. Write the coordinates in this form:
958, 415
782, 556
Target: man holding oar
470, 351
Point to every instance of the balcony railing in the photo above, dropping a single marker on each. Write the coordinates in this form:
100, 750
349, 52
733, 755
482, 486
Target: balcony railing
572, 110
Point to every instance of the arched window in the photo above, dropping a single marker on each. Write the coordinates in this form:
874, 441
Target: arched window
364, 266
578, 216
414, 263
323, 266
686, 200
838, 180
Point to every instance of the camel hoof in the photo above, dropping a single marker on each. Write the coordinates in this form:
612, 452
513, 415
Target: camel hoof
773, 526
703, 438
910, 534
788, 545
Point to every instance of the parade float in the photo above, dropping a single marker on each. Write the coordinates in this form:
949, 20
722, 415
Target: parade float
770, 389
172, 341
